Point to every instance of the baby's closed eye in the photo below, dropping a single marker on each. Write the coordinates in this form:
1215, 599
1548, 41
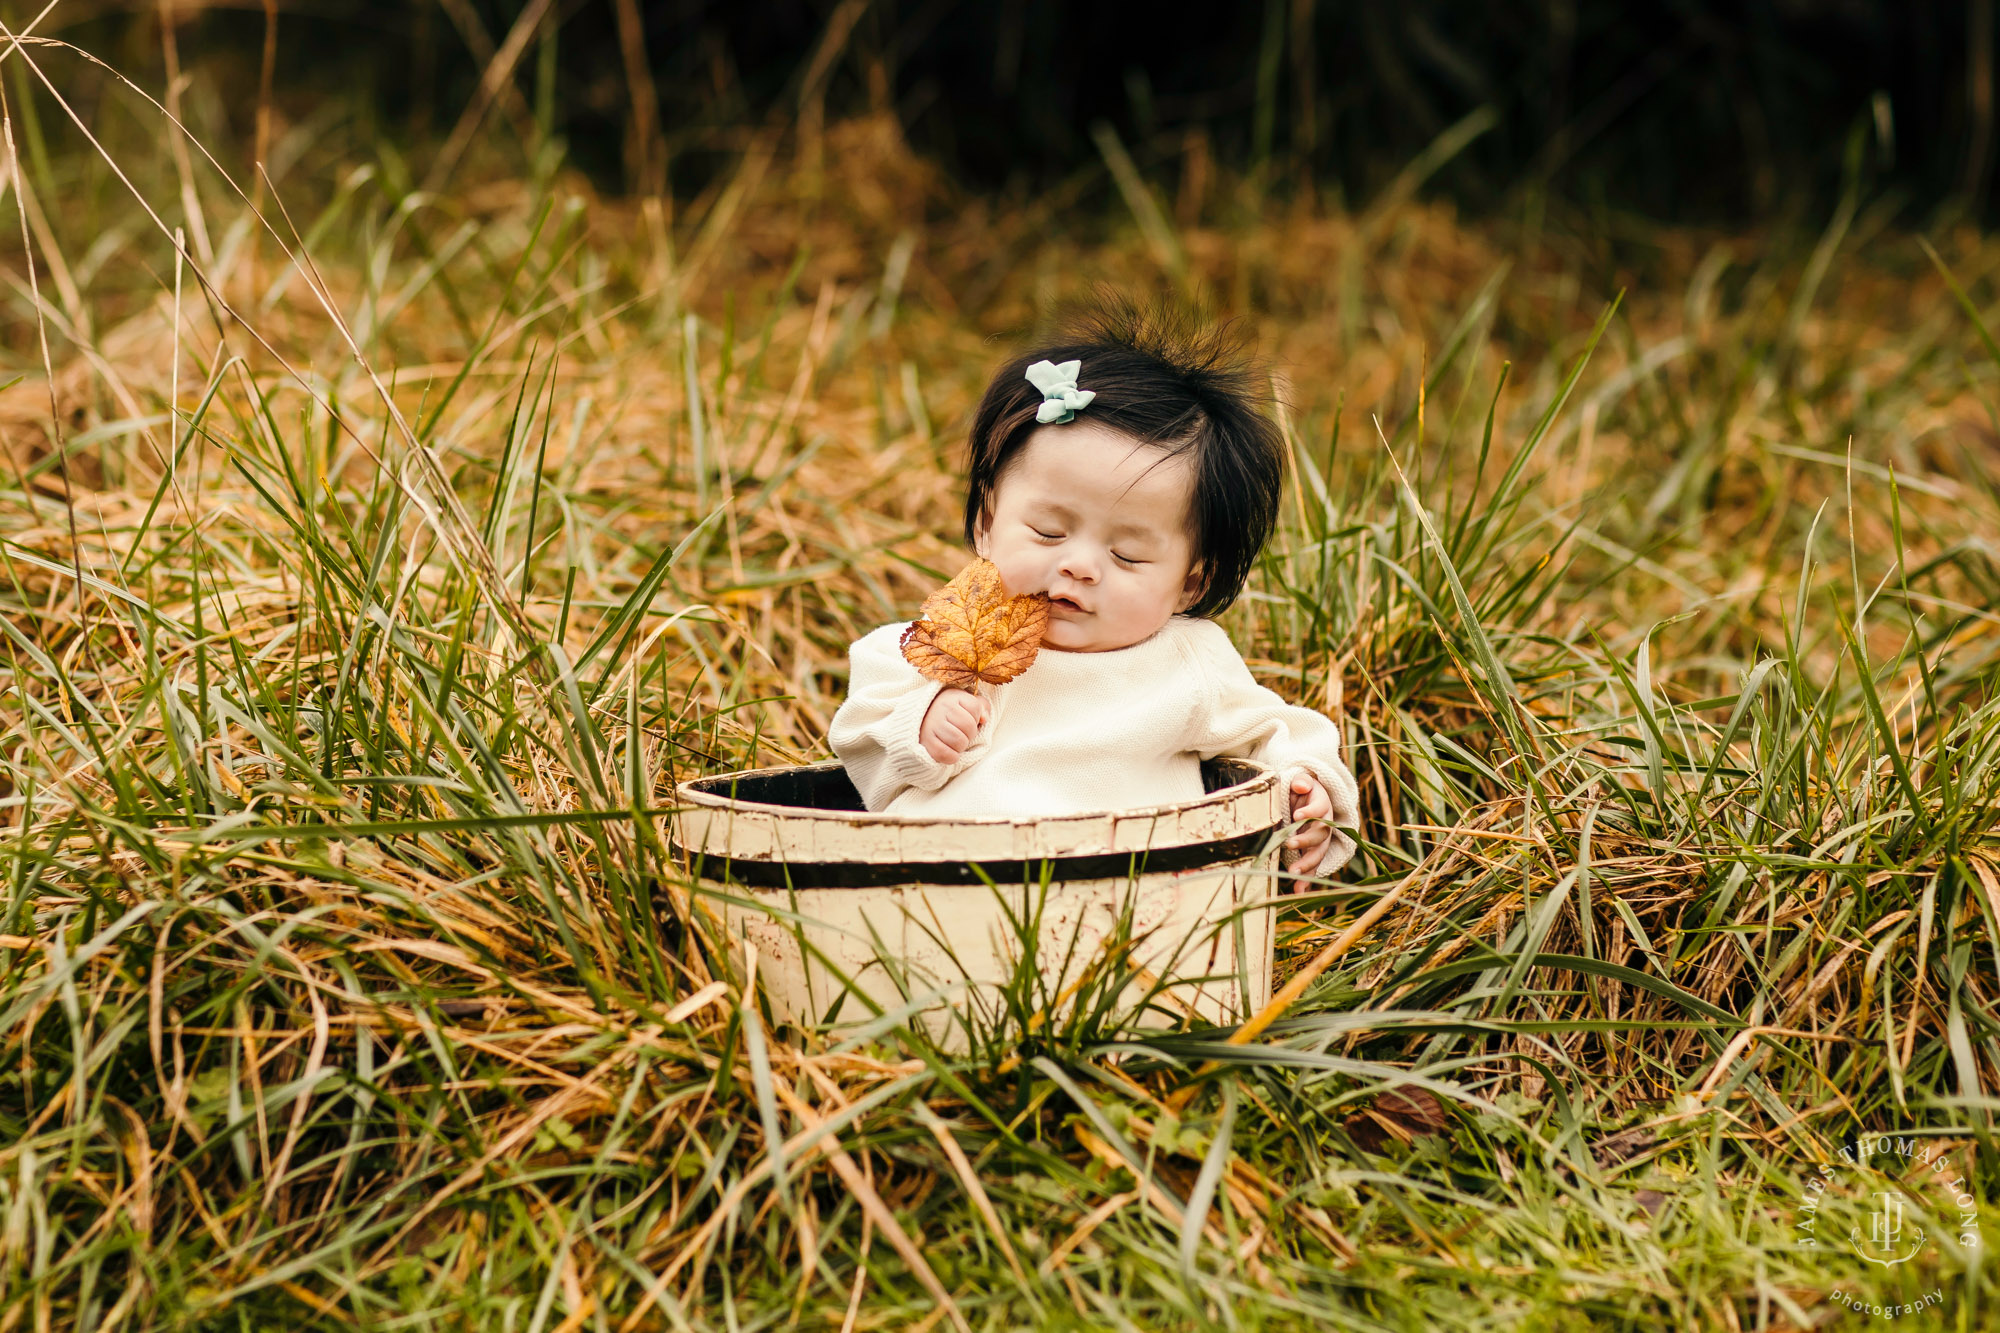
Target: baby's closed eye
1057, 536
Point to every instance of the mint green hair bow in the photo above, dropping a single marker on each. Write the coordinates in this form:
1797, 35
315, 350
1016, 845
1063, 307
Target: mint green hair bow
1061, 398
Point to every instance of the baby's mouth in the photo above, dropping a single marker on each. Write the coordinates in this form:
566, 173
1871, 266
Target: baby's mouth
1065, 603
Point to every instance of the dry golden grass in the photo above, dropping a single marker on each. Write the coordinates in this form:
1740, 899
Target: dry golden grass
340, 980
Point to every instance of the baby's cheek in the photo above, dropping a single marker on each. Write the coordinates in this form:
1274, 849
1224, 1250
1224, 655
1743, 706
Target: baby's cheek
1022, 574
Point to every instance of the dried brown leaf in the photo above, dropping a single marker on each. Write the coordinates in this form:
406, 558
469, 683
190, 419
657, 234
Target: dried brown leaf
970, 630
1400, 1113
1622, 1146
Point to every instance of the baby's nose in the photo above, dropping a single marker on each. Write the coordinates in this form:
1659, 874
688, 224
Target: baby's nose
1079, 566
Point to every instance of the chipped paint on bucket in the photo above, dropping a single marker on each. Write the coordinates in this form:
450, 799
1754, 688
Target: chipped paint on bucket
797, 841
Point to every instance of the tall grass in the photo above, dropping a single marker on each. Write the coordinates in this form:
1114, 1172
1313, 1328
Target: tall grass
374, 567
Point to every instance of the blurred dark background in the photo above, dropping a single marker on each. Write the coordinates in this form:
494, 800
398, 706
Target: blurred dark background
1686, 110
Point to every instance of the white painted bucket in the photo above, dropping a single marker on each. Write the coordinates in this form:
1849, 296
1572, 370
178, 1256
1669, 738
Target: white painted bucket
800, 868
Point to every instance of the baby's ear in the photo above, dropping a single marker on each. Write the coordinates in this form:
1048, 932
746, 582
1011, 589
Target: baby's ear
1193, 586
982, 529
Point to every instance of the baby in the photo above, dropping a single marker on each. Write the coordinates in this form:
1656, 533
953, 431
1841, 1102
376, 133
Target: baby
1135, 483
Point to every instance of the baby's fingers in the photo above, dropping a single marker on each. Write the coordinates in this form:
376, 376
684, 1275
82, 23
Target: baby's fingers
1307, 862
1311, 835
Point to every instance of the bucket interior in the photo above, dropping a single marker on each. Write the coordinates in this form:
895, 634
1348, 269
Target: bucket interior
827, 787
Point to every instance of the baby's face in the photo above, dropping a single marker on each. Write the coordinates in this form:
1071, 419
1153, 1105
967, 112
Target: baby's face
1098, 520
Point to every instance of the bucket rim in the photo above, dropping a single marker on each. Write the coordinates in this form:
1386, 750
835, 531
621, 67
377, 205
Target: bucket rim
688, 794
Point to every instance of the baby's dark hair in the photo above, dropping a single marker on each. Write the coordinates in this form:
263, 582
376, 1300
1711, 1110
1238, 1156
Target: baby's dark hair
1164, 377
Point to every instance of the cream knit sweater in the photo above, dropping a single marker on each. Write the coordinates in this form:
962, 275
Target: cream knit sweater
1080, 732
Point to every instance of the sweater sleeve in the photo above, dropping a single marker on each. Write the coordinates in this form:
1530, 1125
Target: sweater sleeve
874, 731
1246, 720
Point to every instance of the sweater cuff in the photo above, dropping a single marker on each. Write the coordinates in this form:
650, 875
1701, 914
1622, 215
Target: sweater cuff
1343, 795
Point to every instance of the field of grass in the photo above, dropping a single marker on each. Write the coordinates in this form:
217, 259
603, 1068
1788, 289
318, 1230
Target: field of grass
368, 578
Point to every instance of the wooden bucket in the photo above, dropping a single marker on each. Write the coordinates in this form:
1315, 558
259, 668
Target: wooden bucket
796, 860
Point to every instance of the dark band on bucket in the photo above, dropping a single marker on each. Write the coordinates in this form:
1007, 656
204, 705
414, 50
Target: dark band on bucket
888, 874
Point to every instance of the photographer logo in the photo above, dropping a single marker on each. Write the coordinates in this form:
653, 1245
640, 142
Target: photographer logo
1900, 1179
1885, 1232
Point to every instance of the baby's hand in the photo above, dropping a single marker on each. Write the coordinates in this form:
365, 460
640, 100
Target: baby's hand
951, 722
1308, 846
